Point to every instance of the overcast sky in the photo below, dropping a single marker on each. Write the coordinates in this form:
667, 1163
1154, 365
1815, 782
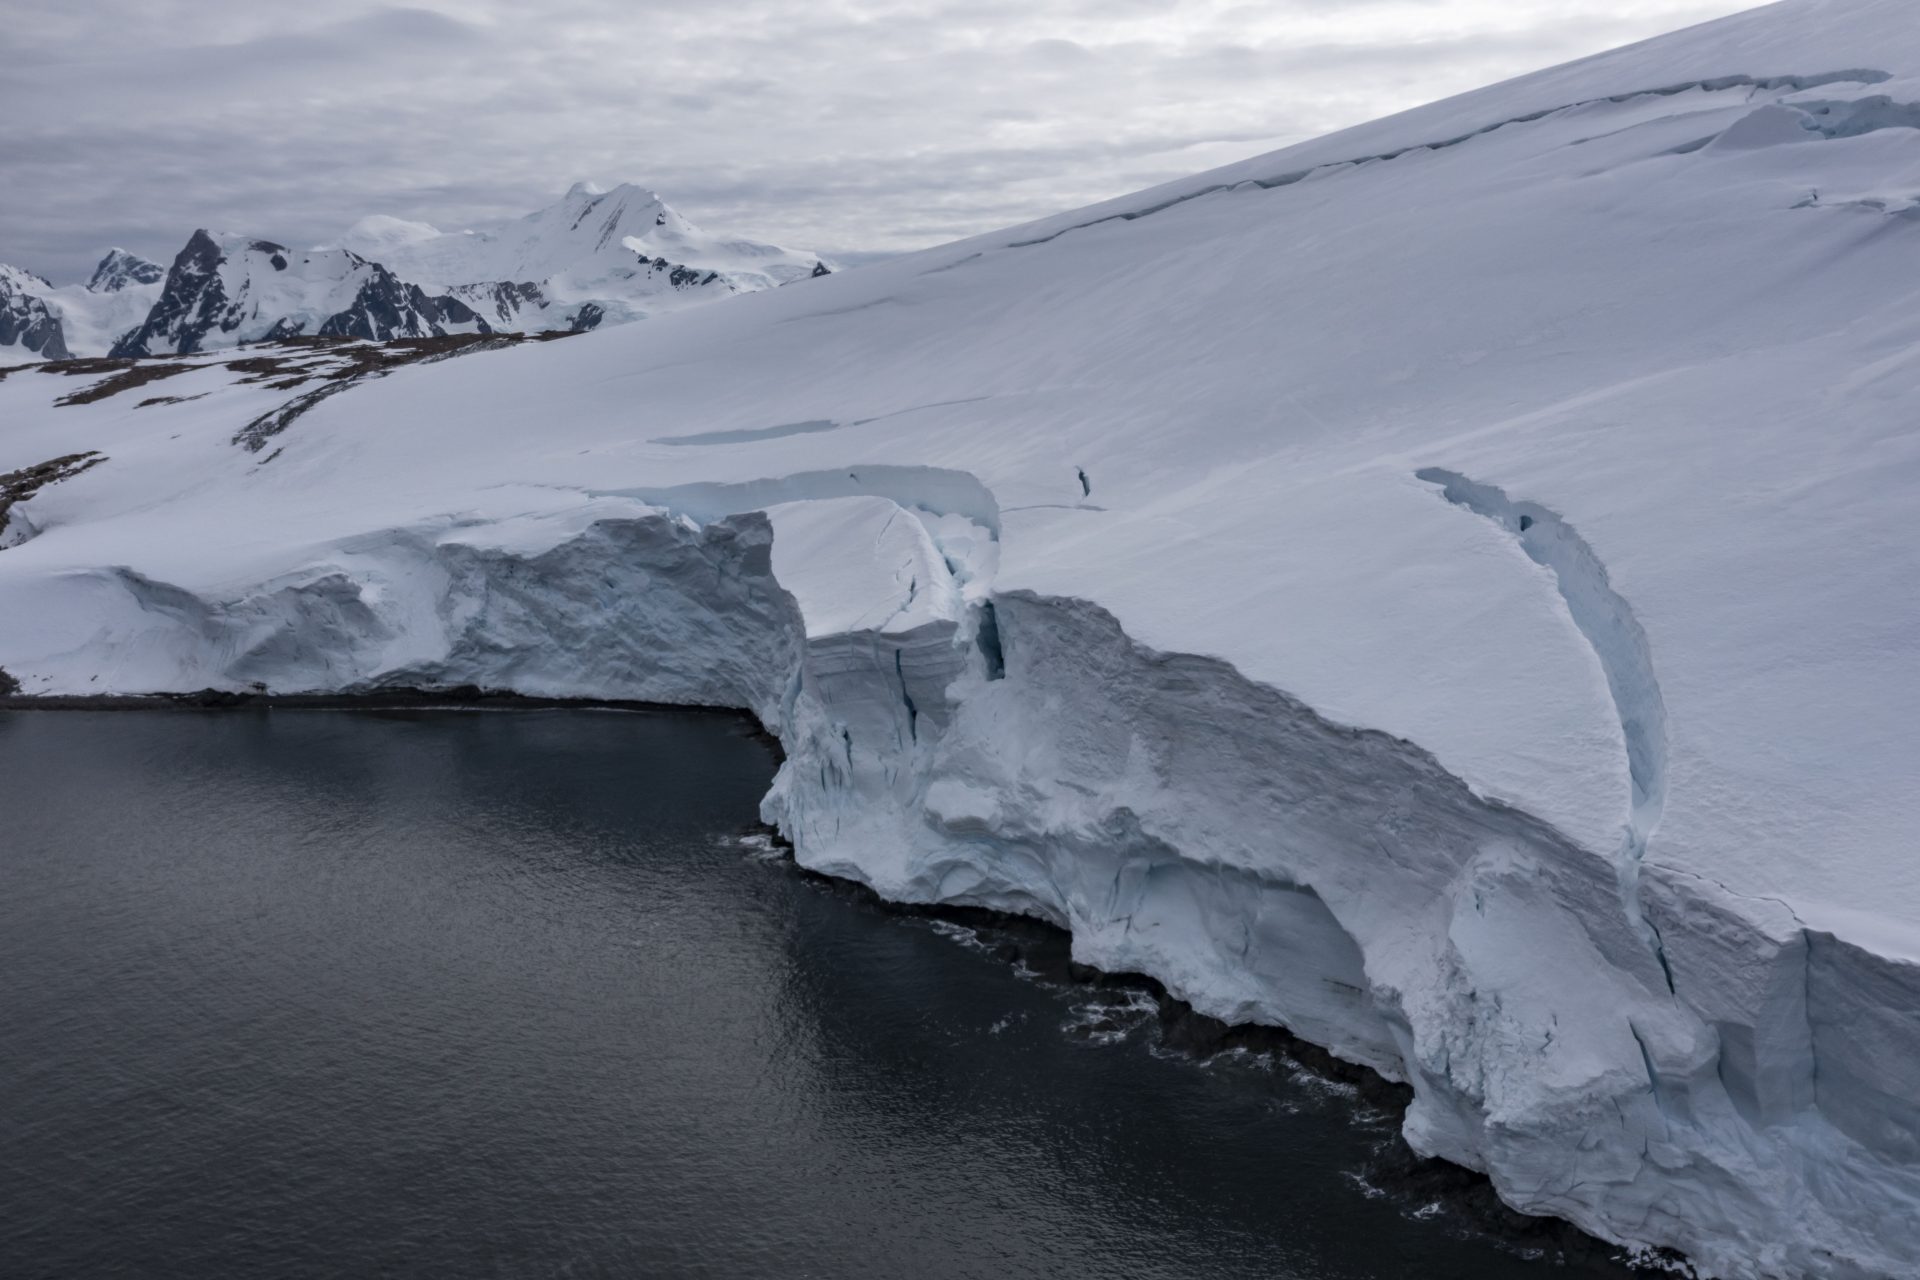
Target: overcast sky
843, 125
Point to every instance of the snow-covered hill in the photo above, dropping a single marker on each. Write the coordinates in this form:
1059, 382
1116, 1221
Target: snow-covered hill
1445, 588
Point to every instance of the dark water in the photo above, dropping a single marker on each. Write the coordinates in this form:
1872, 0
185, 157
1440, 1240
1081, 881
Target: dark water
501, 994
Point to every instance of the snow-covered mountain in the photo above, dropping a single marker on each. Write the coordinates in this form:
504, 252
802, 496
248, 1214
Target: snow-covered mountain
1445, 588
594, 257
29, 329
43, 321
624, 251
114, 300
121, 270
220, 292
226, 290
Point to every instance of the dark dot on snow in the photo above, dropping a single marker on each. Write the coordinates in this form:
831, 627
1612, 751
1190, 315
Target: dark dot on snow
1526, 523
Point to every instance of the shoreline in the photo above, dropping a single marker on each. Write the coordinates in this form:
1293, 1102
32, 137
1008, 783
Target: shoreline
1043, 948
1469, 1196
399, 698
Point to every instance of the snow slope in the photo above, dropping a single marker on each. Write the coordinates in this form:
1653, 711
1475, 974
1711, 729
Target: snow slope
1445, 588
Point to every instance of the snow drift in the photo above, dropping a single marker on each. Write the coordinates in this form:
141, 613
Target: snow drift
1443, 588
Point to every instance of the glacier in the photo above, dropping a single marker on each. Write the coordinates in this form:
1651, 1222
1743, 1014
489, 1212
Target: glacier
1444, 589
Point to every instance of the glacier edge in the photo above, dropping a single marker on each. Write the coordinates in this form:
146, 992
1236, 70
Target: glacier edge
1022, 753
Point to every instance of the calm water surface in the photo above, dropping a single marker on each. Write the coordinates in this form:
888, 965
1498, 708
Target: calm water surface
507, 994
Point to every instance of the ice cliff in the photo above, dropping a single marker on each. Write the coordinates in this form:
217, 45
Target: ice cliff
1444, 588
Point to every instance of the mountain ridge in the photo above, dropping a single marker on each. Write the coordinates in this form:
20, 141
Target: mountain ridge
637, 257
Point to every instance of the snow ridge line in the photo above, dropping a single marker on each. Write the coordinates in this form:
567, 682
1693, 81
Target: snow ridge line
940, 490
1790, 83
1617, 639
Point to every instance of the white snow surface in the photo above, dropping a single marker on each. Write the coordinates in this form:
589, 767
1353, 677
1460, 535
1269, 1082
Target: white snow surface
903, 583
1446, 588
20, 280
379, 234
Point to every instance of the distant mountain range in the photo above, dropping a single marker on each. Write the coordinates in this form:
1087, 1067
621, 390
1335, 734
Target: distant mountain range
594, 257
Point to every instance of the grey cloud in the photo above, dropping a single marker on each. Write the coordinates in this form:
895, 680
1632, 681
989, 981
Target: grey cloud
1059, 52
847, 125
382, 32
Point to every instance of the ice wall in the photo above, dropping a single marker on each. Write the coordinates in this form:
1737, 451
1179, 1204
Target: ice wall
1748, 1102
1743, 1093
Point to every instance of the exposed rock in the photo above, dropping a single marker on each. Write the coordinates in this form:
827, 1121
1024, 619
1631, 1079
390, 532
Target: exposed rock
124, 375
120, 269
17, 486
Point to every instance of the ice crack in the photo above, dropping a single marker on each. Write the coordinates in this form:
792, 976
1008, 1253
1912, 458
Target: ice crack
1794, 84
1617, 639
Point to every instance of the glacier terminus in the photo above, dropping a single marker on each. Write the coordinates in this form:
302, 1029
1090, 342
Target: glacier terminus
1449, 588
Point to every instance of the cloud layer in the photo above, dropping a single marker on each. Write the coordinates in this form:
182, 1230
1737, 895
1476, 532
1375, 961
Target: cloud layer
845, 125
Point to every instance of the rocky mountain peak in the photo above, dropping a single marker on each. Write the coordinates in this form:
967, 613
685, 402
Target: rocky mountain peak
26, 322
120, 269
